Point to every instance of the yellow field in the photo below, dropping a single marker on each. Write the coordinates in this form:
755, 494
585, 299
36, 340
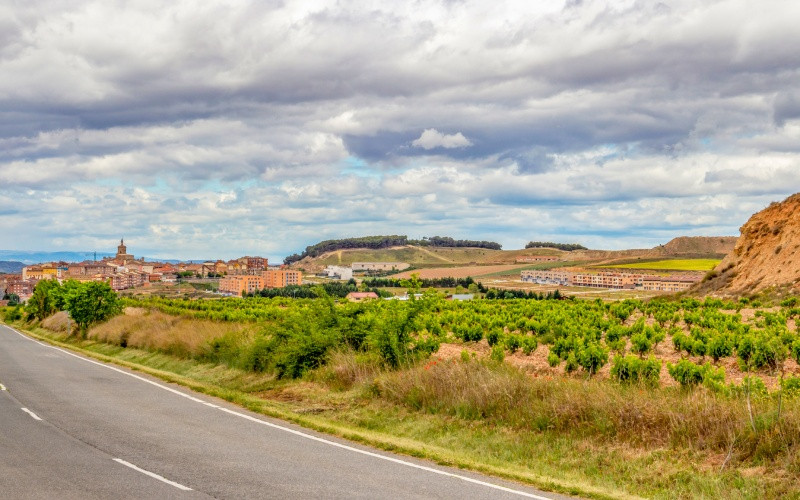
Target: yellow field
672, 265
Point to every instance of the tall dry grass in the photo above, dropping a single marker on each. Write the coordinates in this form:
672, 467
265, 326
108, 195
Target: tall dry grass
500, 394
154, 330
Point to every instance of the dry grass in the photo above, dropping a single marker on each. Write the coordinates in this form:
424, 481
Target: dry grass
501, 394
59, 322
154, 330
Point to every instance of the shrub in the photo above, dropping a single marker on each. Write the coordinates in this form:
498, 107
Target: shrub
529, 344
498, 353
720, 346
572, 363
632, 369
553, 360
592, 357
640, 344
493, 337
15, 313
512, 343
689, 374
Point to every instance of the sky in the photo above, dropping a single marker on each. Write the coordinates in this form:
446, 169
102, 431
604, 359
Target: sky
220, 129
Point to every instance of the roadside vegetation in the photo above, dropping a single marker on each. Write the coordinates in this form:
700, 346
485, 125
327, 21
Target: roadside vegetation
662, 398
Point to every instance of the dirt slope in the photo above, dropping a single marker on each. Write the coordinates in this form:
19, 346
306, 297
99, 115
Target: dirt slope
699, 245
767, 253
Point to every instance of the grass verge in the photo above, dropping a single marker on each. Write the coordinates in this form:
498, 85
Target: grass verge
382, 409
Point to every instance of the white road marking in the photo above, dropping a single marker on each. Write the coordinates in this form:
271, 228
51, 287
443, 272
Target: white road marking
153, 475
293, 431
35, 416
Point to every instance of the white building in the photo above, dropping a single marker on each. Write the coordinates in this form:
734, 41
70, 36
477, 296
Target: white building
339, 273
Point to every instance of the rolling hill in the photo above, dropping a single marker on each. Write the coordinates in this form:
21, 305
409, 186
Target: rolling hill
427, 256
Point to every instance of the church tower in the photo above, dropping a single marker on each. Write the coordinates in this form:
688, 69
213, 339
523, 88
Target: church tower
123, 257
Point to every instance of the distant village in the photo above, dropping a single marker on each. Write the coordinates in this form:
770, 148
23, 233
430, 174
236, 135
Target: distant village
124, 271
247, 275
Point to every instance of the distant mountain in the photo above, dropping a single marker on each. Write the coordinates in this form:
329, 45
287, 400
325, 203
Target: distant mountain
11, 266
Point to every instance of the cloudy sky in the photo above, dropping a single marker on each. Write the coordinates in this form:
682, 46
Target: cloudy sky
217, 129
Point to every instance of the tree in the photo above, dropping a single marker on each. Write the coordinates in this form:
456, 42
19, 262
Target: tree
12, 298
41, 304
91, 302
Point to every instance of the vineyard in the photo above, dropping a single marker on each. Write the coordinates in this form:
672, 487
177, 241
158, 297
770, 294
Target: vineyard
581, 338
659, 398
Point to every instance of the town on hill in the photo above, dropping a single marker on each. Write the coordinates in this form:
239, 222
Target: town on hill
539, 267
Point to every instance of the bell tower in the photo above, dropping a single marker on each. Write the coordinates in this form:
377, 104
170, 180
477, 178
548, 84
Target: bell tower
123, 256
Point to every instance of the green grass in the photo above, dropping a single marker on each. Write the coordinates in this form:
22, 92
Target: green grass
671, 265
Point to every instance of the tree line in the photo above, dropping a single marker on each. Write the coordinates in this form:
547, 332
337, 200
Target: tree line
336, 289
386, 241
567, 247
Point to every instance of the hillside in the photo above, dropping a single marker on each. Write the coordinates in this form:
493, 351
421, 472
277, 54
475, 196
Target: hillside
766, 253
721, 245
427, 256
11, 266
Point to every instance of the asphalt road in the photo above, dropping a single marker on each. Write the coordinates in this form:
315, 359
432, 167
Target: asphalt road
72, 427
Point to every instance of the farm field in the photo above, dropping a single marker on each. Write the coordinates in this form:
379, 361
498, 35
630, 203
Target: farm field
670, 265
462, 271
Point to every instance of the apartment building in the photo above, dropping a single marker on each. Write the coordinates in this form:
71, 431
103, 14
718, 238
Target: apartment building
561, 278
280, 278
669, 284
240, 283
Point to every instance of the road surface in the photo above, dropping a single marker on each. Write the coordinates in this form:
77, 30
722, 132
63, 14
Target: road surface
72, 427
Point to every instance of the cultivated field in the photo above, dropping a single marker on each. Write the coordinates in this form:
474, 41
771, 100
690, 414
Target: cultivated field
462, 271
671, 265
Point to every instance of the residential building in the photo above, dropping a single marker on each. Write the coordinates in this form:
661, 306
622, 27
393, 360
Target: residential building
553, 277
670, 284
280, 278
361, 296
240, 283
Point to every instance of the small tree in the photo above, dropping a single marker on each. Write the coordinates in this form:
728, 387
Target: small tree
91, 302
41, 303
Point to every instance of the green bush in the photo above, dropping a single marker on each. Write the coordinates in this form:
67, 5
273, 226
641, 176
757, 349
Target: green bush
572, 363
494, 336
592, 357
632, 369
529, 344
498, 353
512, 343
640, 344
553, 360
689, 374
720, 346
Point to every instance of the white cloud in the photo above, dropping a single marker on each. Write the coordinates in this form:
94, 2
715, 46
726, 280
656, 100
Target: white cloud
263, 126
432, 138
